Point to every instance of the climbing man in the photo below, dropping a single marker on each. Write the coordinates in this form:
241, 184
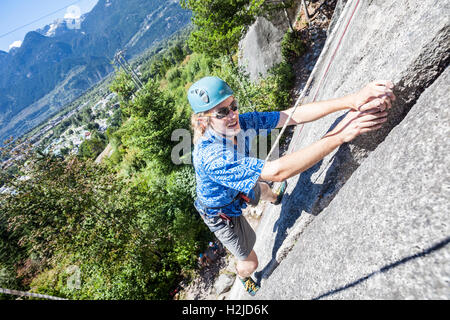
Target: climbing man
229, 178
204, 260
214, 247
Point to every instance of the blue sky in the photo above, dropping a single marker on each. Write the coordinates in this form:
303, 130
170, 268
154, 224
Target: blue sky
22, 15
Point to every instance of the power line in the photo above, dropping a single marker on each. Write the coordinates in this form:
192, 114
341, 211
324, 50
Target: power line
120, 59
29, 294
25, 25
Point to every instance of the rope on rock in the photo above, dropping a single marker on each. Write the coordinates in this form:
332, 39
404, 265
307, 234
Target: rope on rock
308, 83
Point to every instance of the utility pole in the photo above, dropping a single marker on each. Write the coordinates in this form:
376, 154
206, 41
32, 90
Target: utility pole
305, 7
121, 61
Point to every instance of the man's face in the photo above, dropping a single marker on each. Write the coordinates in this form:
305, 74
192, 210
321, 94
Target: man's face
228, 125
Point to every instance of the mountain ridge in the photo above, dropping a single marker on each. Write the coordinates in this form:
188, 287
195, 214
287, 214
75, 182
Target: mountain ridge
35, 70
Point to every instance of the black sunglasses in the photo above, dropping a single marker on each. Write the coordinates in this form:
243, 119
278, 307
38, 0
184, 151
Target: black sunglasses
225, 111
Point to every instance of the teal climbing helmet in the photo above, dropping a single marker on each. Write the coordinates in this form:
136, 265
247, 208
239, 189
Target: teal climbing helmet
207, 93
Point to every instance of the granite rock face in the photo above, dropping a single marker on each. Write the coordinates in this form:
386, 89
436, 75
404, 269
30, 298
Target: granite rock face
260, 49
386, 233
340, 4
371, 219
223, 283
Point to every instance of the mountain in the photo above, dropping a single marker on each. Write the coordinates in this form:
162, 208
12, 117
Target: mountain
60, 26
59, 62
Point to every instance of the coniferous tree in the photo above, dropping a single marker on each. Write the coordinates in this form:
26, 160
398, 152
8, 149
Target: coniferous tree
220, 24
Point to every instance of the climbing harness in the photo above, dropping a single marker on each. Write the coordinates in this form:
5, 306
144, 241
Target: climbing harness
225, 218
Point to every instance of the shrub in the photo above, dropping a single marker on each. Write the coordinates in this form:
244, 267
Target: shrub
90, 149
292, 46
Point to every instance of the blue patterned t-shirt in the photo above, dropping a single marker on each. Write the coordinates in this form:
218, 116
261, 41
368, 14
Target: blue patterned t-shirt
224, 169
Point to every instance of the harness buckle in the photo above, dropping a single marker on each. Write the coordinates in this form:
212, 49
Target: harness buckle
226, 219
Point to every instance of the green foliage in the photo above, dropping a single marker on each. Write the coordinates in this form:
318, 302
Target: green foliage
92, 126
10, 254
7, 174
269, 94
275, 88
129, 240
148, 131
292, 46
125, 88
91, 148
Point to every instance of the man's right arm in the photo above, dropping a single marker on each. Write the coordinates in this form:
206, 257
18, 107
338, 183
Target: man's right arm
354, 124
299, 161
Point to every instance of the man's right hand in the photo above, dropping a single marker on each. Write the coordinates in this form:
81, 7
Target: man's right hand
354, 124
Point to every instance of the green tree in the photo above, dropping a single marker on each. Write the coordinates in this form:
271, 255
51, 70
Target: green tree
91, 148
130, 240
149, 129
124, 86
292, 45
92, 126
220, 24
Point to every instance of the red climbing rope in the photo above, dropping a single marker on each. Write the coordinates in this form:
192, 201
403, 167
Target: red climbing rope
335, 50
300, 99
